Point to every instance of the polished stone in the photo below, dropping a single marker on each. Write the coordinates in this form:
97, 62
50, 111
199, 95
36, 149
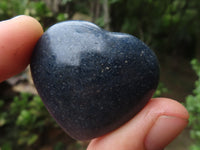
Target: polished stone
92, 81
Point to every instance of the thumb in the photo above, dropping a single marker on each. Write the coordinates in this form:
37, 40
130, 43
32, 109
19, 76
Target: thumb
18, 37
153, 128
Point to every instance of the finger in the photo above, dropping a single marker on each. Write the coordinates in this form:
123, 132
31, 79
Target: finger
153, 128
18, 37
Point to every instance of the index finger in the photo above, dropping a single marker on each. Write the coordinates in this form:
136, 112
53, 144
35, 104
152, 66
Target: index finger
18, 37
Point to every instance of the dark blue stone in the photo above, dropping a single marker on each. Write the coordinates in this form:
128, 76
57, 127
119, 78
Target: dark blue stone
92, 81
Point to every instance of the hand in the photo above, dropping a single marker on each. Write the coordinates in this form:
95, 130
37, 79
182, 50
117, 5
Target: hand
152, 128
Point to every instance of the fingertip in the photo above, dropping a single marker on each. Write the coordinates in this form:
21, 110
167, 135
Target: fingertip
29, 21
164, 130
172, 119
167, 106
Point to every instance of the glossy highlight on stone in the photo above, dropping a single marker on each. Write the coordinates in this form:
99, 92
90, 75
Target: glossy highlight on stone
92, 81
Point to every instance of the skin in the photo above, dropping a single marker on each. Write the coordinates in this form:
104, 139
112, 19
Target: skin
154, 127
17, 39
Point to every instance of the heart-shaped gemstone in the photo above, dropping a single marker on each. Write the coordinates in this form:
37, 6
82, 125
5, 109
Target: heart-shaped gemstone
92, 81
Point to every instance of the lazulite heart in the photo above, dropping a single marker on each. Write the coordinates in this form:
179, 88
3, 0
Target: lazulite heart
92, 81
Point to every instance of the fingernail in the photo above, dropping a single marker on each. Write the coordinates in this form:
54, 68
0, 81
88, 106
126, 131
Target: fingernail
11, 18
165, 129
16, 17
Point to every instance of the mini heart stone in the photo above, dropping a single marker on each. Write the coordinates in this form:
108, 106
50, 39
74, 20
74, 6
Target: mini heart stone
92, 81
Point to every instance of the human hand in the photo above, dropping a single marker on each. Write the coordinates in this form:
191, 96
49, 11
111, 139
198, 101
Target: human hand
152, 128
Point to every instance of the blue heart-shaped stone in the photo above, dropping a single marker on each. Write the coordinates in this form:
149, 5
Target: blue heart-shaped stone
92, 81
